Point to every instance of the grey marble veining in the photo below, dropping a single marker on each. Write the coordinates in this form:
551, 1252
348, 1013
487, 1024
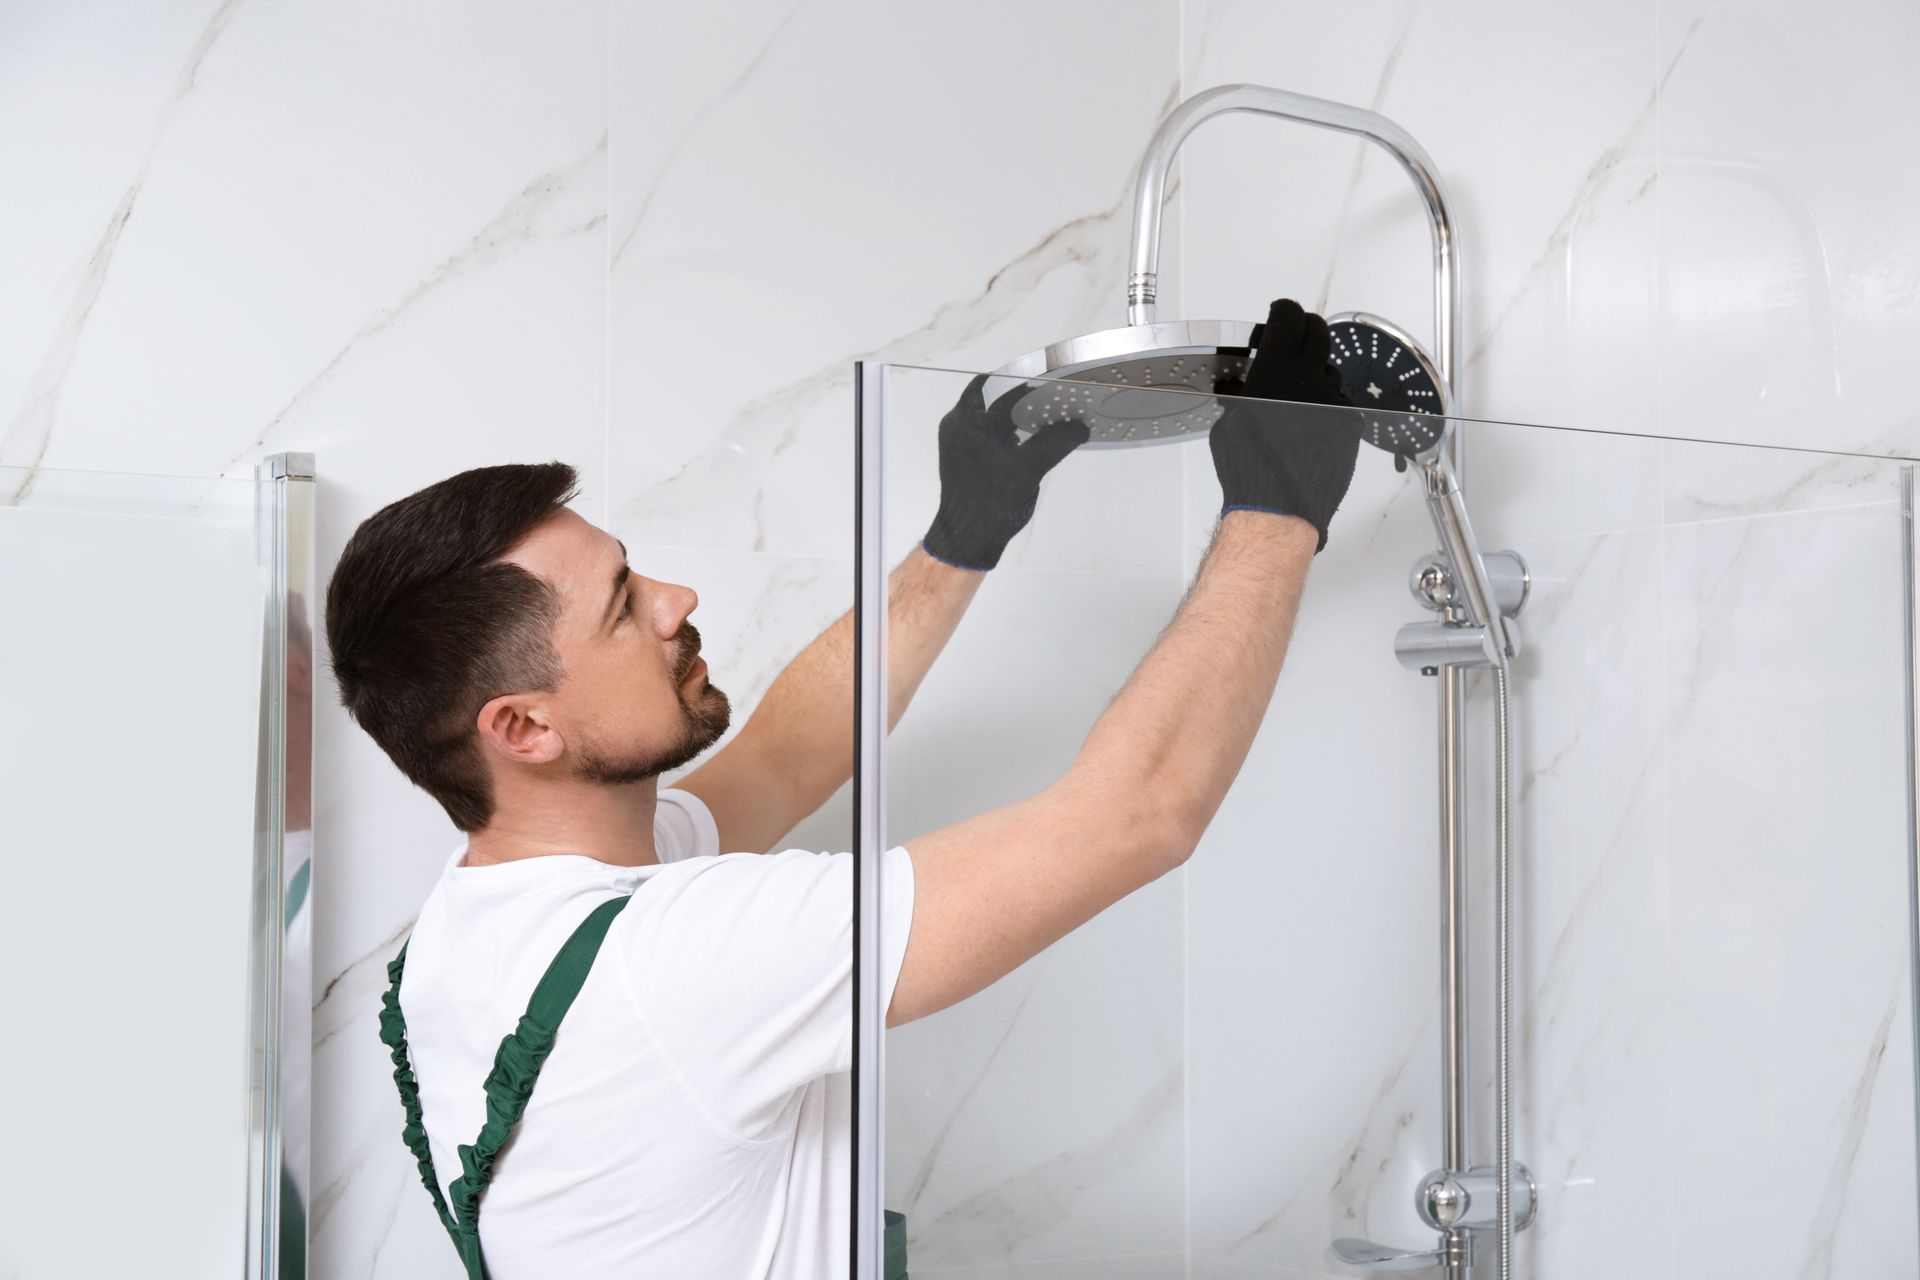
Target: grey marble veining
561, 202
1323, 303
1632, 144
747, 448
24, 442
1676, 587
1818, 1263
649, 179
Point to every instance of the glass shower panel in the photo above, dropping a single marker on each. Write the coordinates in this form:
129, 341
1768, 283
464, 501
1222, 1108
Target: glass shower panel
1040, 1120
1712, 1048
1712, 1041
130, 660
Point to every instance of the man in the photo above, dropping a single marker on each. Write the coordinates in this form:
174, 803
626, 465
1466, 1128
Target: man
692, 1117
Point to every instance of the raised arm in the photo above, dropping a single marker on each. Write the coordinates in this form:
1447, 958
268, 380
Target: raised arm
796, 749
994, 890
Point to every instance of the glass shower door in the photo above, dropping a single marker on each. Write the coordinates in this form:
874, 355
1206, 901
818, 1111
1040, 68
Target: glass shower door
1712, 961
1041, 1118
135, 610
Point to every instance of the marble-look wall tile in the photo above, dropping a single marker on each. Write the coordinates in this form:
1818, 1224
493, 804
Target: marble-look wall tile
1312, 1024
297, 244
1590, 1059
1044, 1118
1642, 254
1788, 259
1788, 961
1552, 236
777, 220
1703, 481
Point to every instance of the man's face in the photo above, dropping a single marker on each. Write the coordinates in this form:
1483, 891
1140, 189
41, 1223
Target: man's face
635, 701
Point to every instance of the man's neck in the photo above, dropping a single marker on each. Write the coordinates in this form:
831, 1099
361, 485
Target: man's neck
610, 823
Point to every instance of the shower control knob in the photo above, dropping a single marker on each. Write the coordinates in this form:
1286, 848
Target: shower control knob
1432, 582
1434, 586
1472, 1199
1441, 1201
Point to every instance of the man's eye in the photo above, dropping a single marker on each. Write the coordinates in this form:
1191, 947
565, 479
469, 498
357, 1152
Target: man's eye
625, 610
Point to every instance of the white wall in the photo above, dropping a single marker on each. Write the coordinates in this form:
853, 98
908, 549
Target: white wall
1674, 218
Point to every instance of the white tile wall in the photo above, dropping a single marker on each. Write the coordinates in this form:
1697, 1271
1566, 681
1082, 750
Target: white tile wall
1675, 219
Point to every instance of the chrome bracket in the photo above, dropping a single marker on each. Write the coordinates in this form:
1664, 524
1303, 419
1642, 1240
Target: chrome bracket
1454, 640
1456, 1204
1471, 1199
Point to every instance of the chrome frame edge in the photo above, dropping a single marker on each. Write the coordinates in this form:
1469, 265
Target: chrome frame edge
869, 803
280, 1038
1454, 1063
1910, 598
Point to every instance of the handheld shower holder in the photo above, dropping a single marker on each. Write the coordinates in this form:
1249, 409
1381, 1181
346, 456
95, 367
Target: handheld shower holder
1455, 639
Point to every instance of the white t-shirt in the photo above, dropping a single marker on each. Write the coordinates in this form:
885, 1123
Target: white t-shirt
694, 1117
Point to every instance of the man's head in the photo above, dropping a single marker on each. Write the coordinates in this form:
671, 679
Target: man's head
480, 626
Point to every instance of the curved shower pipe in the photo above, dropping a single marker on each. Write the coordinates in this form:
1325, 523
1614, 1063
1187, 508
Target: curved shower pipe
1476, 631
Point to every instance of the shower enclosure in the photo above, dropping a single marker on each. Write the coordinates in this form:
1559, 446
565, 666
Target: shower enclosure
155, 905
1713, 896
1407, 395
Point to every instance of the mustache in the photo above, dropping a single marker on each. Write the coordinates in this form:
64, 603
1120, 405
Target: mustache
689, 651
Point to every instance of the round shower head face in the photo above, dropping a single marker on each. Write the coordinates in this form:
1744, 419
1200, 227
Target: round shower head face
1391, 380
1119, 380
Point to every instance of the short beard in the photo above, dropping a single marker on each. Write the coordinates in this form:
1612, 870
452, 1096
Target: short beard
702, 721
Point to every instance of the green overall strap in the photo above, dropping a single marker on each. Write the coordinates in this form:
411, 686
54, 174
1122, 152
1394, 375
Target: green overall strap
508, 1086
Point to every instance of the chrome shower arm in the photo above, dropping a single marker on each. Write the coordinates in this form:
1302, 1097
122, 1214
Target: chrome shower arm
1151, 186
1450, 523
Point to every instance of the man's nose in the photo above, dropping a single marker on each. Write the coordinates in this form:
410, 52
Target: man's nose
676, 603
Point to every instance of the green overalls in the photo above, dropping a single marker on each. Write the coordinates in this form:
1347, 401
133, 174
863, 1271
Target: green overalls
515, 1068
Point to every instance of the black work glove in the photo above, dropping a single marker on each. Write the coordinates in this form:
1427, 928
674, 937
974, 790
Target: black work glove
989, 481
1297, 464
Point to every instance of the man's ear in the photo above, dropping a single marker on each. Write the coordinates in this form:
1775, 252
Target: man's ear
516, 728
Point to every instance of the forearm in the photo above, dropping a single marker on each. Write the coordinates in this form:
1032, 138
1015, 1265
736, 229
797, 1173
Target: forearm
1181, 727
805, 721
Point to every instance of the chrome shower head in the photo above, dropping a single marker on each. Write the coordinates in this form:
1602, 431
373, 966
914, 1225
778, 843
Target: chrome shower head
1115, 380
1391, 381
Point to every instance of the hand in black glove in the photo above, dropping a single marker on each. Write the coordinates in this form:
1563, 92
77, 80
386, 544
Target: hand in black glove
989, 481
1293, 463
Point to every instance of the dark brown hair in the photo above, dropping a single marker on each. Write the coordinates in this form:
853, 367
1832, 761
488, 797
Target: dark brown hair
427, 623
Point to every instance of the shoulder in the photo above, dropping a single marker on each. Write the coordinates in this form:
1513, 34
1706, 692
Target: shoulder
683, 827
